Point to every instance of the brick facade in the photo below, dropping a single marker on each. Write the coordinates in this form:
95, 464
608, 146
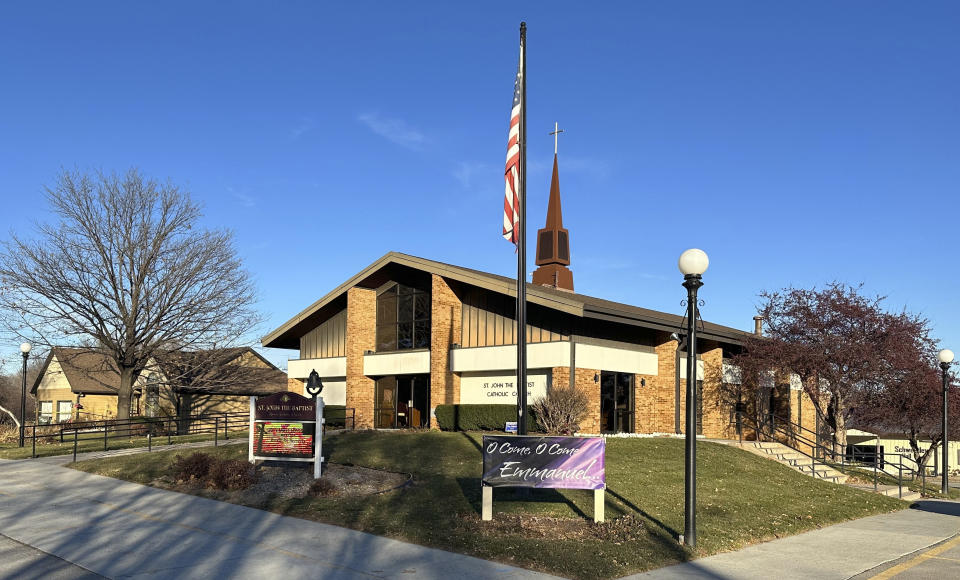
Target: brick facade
644, 404
716, 411
662, 419
583, 380
654, 394
445, 322
361, 337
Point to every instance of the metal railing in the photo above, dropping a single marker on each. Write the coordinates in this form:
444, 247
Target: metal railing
337, 418
78, 432
151, 428
808, 443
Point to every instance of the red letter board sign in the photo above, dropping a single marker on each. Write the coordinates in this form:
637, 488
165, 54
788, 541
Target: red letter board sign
284, 426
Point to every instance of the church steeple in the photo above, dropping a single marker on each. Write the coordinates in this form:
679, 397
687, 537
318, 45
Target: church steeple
553, 241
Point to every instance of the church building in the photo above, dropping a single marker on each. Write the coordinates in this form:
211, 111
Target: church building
407, 334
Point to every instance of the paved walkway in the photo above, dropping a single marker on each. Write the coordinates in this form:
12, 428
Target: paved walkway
118, 529
841, 551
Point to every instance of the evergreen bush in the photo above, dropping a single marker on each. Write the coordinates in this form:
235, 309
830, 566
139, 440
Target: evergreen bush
479, 417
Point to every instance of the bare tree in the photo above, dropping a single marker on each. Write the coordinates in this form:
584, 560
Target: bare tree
128, 271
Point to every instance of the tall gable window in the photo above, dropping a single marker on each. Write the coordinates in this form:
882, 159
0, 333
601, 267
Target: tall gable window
403, 318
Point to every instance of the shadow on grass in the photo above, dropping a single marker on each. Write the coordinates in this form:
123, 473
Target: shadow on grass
470, 487
472, 441
672, 532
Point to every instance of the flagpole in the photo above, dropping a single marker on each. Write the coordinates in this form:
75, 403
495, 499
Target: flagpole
522, 248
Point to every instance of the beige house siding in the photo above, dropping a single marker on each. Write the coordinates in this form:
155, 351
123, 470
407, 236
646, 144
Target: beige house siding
54, 386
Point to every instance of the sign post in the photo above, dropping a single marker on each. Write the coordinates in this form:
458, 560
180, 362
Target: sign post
545, 462
287, 427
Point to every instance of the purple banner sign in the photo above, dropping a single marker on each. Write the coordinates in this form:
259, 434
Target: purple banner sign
558, 462
286, 406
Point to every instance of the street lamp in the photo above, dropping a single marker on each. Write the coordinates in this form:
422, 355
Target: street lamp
946, 357
25, 350
693, 263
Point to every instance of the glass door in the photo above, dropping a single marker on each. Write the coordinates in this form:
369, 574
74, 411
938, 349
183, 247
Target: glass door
402, 401
386, 403
616, 402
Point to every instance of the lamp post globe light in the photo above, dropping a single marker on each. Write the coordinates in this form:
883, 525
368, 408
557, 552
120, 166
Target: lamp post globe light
25, 351
946, 357
693, 263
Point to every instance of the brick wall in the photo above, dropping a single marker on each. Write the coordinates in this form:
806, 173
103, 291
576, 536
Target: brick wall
445, 321
296, 386
663, 386
645, 404
716, 411
361, 336
583, 381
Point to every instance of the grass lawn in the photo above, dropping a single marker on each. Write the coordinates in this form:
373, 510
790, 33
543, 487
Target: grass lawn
742, 499
92, 442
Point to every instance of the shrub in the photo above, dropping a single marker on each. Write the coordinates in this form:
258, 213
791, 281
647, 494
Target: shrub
562, 409
194, 466
231, 474
322, 487
479, 417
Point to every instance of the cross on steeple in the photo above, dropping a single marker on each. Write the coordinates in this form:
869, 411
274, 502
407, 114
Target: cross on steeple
556, 133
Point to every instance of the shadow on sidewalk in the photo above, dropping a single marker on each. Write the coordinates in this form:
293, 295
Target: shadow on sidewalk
937, 506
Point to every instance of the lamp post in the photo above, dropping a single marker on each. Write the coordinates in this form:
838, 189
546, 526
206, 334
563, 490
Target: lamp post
693, 263
25, 350
946, 357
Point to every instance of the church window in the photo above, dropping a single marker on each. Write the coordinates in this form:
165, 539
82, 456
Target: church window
403, 319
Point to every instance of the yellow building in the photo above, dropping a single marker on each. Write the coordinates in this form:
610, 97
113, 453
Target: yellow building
78, 384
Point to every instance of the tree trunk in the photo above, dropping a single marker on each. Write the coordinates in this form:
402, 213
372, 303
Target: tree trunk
183, 413
125, 393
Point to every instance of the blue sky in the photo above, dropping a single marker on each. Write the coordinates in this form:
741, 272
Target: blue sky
796, 143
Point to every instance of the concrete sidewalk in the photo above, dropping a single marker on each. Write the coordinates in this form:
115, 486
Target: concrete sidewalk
118, 529
836, 552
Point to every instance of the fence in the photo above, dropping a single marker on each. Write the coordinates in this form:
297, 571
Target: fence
77, 432
107, 430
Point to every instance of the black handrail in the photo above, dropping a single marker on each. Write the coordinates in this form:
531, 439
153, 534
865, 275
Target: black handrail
795, 433
170, 426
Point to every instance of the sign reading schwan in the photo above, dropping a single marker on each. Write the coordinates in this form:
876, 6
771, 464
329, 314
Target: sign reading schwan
557, 462
285, 426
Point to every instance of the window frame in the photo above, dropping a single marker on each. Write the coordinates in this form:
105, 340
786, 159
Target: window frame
44, 418
403, 323
60, 414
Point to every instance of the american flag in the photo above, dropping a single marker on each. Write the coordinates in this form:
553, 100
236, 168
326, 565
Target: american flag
511, 175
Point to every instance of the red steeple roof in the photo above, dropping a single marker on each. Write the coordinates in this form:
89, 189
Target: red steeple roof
553, 243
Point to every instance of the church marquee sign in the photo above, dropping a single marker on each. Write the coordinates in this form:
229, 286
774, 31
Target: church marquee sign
286, 426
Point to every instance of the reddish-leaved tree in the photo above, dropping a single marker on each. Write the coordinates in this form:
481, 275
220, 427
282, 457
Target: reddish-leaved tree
834, 338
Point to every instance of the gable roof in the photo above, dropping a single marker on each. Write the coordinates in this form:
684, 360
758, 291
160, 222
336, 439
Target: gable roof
92, 372
288, 334
87, 371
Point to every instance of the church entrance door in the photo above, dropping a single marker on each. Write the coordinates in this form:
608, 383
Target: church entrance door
616, 402
403, 401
